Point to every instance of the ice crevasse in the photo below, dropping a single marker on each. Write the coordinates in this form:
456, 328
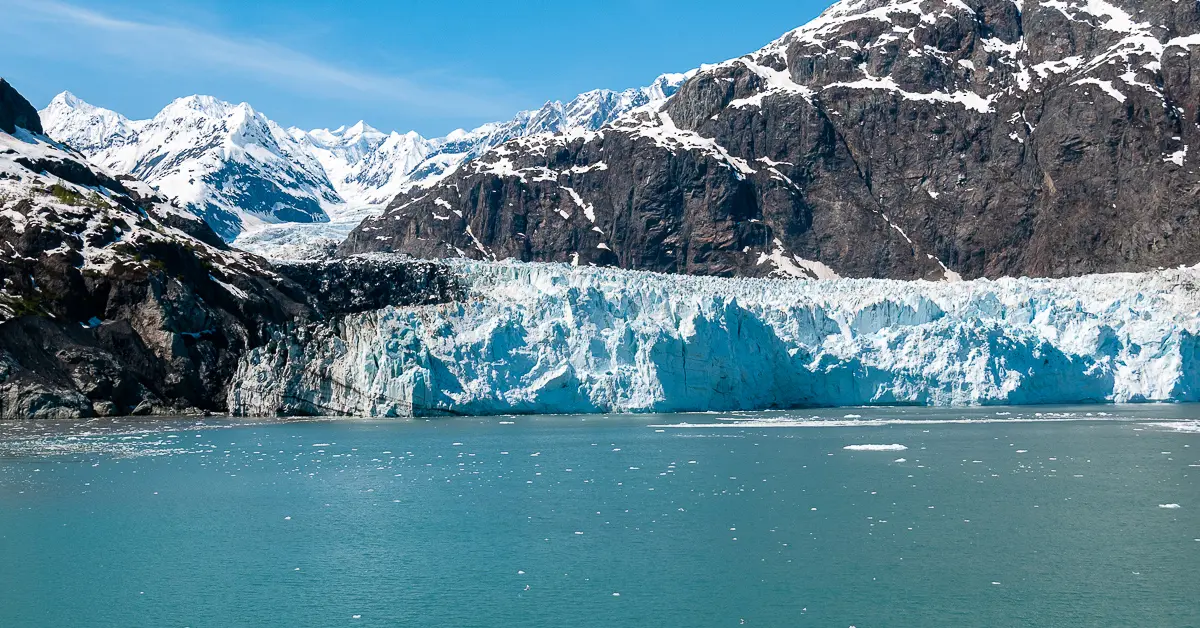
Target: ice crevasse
550, 338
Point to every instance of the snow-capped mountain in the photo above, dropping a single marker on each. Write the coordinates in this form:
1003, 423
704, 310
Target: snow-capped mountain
228, 163
365, 166
905, 139
244, 173
368, 167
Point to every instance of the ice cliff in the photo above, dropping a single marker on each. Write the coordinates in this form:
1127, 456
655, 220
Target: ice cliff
546, 338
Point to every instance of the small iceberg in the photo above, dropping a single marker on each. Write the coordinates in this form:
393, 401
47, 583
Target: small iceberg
875, 448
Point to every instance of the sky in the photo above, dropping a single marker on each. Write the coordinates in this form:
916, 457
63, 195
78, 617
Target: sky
398, 64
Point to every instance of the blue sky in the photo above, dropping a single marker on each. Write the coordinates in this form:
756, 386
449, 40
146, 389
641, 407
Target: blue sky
427, 66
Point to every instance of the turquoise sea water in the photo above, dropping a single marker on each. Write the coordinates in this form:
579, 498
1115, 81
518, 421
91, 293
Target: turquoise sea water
1045, 517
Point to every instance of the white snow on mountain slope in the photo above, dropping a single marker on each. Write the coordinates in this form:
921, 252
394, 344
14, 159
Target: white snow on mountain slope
1132, 51
544, 338
103, 225
299, 189
974, 79
228, 163
369, 168
87, 128
365, 166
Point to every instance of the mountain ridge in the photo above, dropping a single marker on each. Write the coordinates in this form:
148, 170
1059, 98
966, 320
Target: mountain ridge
903, 139
243, 172
227, 162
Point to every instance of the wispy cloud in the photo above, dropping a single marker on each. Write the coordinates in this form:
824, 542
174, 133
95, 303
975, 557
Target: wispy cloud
183, 49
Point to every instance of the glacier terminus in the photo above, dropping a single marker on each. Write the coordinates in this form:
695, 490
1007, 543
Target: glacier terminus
552, 338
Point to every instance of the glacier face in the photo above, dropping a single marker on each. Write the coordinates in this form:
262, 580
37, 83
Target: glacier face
546, 338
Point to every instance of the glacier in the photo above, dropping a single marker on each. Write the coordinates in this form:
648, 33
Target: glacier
552, 338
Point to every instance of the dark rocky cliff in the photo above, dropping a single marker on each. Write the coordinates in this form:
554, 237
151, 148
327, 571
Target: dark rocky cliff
15, 111
920, 139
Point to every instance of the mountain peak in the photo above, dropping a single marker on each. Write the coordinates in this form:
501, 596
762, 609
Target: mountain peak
69, 100
67, 116
362, 128
206, 106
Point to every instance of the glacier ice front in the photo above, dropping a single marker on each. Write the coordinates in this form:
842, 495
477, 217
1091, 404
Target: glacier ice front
547, 338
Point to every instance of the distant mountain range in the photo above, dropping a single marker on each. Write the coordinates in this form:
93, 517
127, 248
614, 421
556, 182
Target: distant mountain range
239, 170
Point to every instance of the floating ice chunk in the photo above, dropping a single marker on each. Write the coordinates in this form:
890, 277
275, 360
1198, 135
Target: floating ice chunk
875, 448
1169, 506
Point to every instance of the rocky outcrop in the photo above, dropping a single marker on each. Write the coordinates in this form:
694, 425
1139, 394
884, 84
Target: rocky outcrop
361, 284
917, 139
15, 111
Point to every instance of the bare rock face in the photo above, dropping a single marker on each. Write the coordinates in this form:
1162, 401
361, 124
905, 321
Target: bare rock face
365, 283
15, 111
927, 139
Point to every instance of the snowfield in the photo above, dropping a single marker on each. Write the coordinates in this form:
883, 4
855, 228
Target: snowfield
549, 338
